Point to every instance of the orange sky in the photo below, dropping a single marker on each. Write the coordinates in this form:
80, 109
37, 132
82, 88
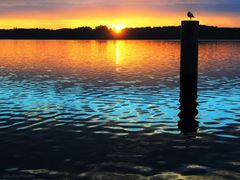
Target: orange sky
132, 13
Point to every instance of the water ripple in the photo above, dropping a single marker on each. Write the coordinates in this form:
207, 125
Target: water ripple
77, 116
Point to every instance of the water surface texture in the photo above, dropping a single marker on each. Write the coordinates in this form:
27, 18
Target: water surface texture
109, 110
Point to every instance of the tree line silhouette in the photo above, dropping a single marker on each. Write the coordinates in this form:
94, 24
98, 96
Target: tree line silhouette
103, 32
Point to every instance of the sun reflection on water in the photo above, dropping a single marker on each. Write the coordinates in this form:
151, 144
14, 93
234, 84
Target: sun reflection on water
117, 53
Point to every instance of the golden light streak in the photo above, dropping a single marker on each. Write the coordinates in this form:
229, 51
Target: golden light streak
117, 53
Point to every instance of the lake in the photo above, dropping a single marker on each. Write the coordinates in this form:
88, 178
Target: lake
109, 110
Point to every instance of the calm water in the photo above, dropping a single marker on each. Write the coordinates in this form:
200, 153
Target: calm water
109, 109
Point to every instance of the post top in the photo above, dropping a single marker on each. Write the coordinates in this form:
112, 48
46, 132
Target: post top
190, 22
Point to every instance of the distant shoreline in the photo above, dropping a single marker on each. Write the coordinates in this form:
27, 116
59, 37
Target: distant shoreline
176, 40
105, 33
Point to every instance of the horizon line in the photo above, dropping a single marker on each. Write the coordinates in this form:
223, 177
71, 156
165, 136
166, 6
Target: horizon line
109, 27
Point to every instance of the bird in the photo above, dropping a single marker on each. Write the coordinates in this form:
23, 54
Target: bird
190, 15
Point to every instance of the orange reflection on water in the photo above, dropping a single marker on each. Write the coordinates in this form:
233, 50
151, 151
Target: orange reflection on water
218, 54
155, 57
88, 55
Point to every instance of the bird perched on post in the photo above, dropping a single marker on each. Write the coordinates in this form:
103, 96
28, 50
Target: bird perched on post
190, 15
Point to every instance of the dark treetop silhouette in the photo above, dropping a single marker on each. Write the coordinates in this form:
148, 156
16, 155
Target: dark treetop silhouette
103, 32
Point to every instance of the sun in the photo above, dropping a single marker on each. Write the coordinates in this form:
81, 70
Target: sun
118, 28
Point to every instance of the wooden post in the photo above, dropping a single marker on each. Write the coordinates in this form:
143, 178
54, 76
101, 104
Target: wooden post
189, 48
189, 77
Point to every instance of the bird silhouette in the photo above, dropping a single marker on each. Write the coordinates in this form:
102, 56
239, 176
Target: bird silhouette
190, 15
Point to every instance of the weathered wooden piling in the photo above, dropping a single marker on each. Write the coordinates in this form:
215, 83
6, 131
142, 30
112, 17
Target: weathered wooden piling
188, 77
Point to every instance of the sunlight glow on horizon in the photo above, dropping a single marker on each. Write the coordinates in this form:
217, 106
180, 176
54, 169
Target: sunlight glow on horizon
118, 28
71, 23
127, 22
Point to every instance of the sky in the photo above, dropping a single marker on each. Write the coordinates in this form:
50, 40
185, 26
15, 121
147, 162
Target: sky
56, 14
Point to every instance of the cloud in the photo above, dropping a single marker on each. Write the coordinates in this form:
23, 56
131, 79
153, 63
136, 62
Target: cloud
100, 11
24, 6
220, 6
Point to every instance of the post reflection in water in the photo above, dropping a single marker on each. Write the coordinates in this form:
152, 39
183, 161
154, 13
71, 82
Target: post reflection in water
188, 105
